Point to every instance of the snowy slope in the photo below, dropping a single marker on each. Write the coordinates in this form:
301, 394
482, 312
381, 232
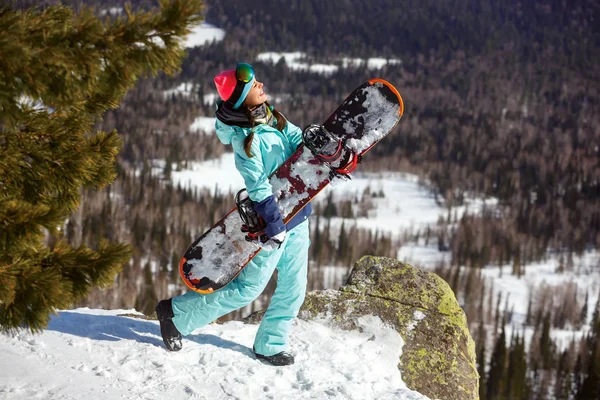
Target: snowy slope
96, 354
203, 34
406, 204
297, 60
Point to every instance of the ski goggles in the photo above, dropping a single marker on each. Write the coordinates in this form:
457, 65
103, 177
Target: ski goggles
244, 72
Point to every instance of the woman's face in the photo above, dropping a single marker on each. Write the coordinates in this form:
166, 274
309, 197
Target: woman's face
256, 96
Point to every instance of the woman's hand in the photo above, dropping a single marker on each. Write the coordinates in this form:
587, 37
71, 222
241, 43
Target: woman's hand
269, 244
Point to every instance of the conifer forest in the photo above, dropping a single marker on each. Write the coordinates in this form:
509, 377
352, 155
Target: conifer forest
502, 100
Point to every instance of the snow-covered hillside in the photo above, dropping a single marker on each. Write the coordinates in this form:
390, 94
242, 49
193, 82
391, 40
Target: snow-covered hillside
97, 354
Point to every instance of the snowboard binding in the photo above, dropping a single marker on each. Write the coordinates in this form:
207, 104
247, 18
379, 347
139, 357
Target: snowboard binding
252, 223
324, 145
329, 148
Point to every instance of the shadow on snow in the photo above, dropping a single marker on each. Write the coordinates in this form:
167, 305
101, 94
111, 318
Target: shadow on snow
115, 328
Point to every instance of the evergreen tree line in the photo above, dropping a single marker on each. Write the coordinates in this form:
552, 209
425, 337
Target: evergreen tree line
520, 359
409, 27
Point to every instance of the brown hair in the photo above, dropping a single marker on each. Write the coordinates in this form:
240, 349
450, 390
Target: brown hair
281, 123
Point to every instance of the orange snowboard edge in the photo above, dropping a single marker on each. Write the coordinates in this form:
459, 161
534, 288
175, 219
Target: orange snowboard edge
392, 88
187, 282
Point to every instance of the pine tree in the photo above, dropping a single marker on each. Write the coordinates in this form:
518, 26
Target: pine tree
481, 355
529, 309
584, 311
517, 370
342, 243
496, 381
59, 72
590, 388
546, 343
562, 381
596, 313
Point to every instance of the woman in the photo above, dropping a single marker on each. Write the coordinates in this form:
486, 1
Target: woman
262, 140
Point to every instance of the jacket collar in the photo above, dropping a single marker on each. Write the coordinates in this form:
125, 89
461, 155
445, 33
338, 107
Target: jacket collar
228, 115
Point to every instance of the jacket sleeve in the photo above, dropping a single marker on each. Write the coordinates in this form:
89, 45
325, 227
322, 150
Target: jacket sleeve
258, 187
294, 134
269, 211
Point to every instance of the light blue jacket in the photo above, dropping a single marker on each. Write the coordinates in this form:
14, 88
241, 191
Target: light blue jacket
270, 148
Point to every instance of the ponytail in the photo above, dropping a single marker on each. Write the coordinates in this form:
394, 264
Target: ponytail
281, 123
248, 144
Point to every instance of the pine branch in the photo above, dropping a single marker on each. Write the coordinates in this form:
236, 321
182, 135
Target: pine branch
59, 72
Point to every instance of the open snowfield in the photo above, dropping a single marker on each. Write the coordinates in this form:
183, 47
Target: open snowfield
204, 34
405, 205
97, 354
297, 60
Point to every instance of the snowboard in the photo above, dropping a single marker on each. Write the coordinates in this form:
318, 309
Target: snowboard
330, 151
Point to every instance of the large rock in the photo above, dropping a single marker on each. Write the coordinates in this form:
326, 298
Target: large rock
438, 357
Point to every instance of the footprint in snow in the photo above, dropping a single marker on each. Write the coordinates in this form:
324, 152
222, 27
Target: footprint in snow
302, 378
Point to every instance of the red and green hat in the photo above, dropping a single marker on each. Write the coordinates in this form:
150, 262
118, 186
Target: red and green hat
233, 85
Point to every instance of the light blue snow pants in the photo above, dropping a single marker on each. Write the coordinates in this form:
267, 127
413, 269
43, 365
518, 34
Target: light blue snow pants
194, 310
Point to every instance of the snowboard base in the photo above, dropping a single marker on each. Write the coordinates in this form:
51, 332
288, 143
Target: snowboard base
366, 116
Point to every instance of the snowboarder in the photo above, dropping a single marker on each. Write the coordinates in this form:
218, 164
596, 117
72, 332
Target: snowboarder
262, 140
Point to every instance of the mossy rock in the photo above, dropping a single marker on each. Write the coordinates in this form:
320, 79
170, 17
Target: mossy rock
438, 357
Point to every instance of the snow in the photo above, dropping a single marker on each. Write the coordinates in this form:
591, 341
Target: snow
185, 89
296, 61
515, 291
406, 206
97, 354
200, 35
112, 11
311, 175
204, 124
216, 174
584, 274
230, 241
372, 63
274, 57
293, 61
417, 317
406, 202
380, 117
203, 34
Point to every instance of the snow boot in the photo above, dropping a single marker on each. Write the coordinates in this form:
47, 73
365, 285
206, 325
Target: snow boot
170, 335
279, 359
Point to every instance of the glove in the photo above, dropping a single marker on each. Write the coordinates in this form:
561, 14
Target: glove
268, 244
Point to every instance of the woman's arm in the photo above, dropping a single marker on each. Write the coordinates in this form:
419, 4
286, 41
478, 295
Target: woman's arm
259, 189
294, 134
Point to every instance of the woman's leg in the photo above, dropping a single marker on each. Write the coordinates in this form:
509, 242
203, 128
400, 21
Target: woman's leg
273, 332
194, 310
